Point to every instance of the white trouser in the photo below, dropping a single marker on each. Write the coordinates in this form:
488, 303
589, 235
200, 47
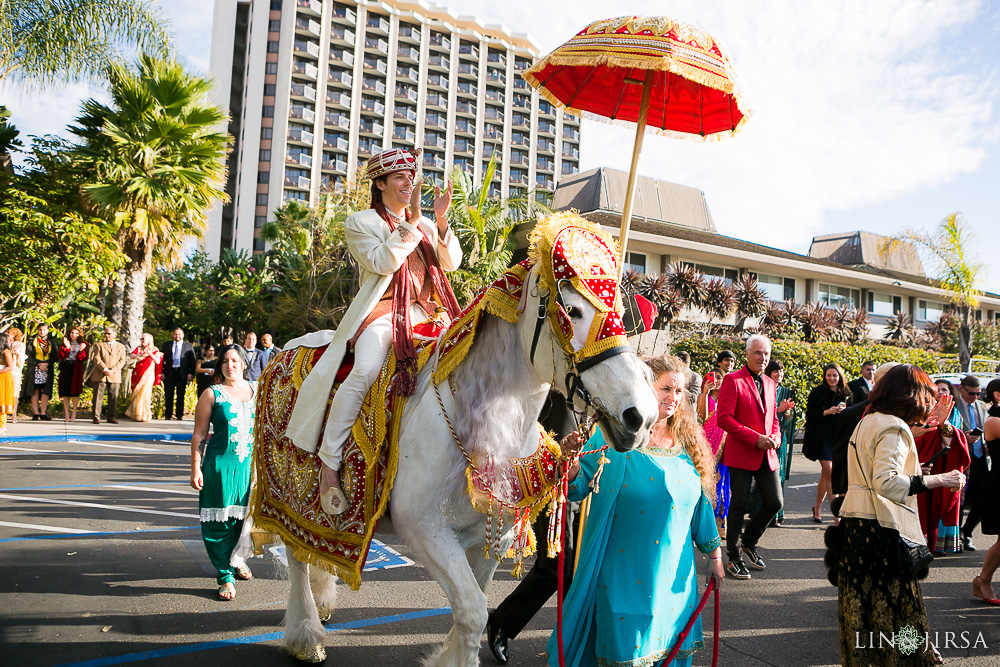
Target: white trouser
370, 351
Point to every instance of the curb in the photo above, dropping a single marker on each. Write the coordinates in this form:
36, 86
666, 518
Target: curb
85, 437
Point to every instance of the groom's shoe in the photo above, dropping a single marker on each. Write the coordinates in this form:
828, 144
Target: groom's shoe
497, 641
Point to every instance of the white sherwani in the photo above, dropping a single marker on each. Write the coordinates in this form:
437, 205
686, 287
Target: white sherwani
379, 253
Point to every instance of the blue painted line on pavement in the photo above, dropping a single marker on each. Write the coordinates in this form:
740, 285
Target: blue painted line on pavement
252, 639
102, 534
88, 486
91, 452
90, 437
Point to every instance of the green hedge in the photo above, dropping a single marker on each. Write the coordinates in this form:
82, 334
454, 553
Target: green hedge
804, 362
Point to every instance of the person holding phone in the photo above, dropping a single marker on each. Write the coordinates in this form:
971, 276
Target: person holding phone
974, 415
707, 405
823, 407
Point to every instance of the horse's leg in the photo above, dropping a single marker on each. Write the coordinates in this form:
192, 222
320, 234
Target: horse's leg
304, 634
483, 567
324, 592
436, 546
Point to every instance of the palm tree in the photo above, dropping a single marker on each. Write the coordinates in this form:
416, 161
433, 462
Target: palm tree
751, 300
154, 161
483, 225
955, 271
899, 329
58, 41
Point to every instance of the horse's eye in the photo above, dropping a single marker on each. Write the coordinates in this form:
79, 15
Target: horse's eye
574, 312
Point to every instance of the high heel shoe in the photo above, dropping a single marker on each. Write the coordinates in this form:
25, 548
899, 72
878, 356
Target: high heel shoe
977, 590
817, 516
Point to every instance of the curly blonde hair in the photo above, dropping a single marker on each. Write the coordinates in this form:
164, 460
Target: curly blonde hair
684, 428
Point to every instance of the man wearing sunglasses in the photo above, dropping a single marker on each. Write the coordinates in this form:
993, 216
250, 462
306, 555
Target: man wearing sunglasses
973, 413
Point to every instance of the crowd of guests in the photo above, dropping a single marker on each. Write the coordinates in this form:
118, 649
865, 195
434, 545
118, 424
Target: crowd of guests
30, 369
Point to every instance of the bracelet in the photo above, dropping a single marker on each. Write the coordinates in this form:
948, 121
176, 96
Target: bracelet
715, 557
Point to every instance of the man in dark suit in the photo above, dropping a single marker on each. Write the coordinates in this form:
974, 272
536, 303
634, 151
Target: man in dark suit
863, 385
256, 359
973, 413
178, 370
749, 416
270, 349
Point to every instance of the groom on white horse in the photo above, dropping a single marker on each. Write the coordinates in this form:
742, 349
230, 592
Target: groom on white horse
403, 294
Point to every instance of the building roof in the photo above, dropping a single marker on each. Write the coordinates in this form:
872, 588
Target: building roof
863, 248
603, 189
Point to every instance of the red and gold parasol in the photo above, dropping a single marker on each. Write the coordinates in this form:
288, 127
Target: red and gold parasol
658, 74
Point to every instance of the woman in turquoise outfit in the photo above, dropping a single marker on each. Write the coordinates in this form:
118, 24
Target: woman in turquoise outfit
636, 585
223, 477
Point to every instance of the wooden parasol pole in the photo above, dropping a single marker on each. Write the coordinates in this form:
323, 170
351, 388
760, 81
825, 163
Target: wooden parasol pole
633, 175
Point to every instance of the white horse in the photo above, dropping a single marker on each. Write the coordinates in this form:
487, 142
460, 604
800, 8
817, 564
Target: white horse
500, 388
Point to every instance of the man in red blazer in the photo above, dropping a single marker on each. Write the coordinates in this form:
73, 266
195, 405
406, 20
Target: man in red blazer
748, 415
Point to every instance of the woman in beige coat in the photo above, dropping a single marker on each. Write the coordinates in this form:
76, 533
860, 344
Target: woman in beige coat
879, 596
401, 257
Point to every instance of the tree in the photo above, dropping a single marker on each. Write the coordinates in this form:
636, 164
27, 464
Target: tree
751, 300
55, 252
954, 270
154, 163
54, 41
483, 225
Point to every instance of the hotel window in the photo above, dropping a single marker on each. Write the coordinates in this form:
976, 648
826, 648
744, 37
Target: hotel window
775, 287
265, 133
261, 199
929, 311
259, 220
274, 25
834, 296
269, 89
263, 176
258, 245
271, 68
272, 47
729, 275
265, 155
635, 260
884, 304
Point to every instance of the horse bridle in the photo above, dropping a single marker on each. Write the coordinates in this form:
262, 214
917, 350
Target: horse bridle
575, 387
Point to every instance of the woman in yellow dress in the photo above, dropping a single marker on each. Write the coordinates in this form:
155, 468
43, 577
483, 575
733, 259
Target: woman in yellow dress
7, 366
145, 375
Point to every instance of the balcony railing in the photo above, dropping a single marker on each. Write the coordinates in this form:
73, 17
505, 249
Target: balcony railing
432, 139
519, 158
466, 107
436, 120
493, 113
296, 133
468, 49
377, 23
342, 56
310, 6
306, 24
518, 177
376, 44
546, 127
338, 120
342, 34
404, 134
302, 46
408, 53
404, 113
335, 165
464, 146
494, 95
496, 58
546, 108
468, 69
571, 133
300, 158
547, 146
496, 75
376, 64
336, 142
407, 73
302, 182
304, 68
368, 146
438, 81
572, 153
409, 32
373, 106
520, 120
302, 113
345, 14
339, 76
438, 60
465, 126
439, 40
371, 84
369, 126
492, 132
521, 84
303, 90
543, 182
437, 100
519, 139
544, 163
407, 93
432, 160
467, 88
568, 169
338, 98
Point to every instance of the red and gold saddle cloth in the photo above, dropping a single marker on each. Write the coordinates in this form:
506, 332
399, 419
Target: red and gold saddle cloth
285, 498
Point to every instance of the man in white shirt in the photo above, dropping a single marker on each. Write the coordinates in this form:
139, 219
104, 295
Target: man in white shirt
862, 386
178, 370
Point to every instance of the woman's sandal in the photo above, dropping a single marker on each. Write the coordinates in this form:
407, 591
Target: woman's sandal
243, 573
227, 591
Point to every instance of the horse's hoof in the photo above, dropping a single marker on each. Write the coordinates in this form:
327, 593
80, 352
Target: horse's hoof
333, 501
312, 655
325, 613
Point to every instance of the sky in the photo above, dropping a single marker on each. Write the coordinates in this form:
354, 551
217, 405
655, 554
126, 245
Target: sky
876, 116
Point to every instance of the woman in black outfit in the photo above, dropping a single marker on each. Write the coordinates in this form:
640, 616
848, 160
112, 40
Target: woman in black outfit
982, 586
826, 401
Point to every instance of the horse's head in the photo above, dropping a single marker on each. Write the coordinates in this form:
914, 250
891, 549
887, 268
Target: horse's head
573, 289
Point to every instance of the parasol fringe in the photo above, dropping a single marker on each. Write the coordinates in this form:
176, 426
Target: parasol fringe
651, 129
664, 64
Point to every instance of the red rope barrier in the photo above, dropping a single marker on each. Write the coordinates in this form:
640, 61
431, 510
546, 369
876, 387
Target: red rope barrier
560, 575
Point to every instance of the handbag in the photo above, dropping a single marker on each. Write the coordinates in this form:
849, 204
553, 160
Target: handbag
915, 559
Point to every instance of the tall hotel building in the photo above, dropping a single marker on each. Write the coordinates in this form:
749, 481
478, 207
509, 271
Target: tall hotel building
314, 87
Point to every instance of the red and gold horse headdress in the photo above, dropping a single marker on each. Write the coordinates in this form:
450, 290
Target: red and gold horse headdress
568, 250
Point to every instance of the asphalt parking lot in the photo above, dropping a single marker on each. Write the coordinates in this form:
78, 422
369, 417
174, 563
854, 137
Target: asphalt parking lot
103, 565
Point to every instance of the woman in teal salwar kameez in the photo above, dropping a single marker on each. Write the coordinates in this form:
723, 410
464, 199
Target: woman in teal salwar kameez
637, 585
223, 476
